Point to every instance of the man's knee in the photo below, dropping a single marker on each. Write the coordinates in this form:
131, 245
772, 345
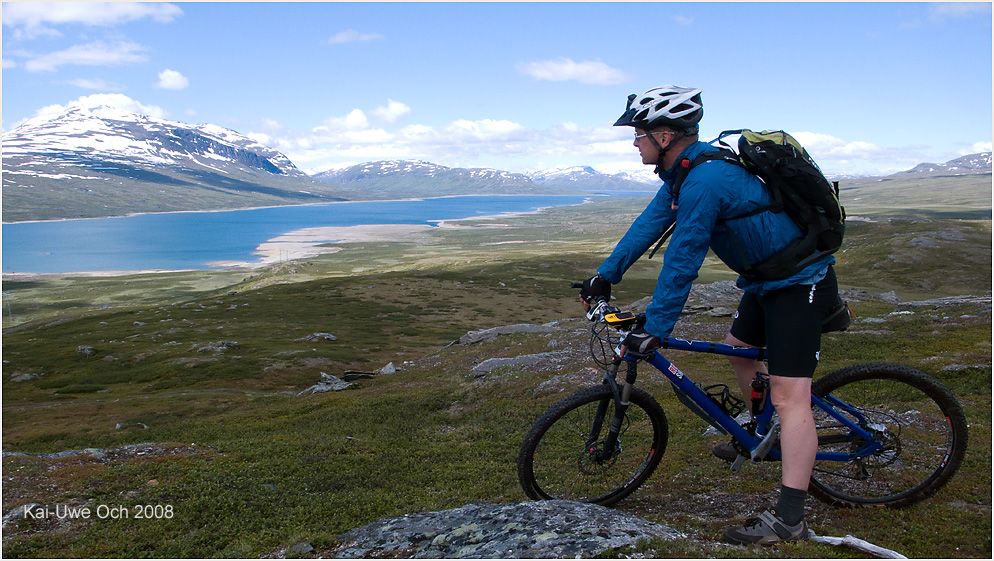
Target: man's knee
790, 394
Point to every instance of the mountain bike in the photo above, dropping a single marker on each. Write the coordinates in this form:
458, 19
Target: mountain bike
888, 435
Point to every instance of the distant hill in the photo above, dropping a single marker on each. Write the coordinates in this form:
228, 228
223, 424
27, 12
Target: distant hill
102, 161
965, 165
585, 177
419, 178
960, 188
416, 178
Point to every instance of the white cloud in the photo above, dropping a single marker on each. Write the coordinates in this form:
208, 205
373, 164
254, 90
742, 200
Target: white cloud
682, 20
827, 146
940, 12
353, 36
353, 138
97, 53
94, 84
484, 130
565, 69
120, 101
982, 146
33, 14
959, 9
513, 146
172, 80
835, 155
28, 33
355, 120
393, 111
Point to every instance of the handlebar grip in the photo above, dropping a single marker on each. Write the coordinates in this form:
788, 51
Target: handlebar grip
576, 285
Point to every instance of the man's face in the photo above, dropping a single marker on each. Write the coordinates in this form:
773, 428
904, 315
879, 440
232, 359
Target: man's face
648, 150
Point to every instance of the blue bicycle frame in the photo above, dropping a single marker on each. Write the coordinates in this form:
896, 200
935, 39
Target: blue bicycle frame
718, 418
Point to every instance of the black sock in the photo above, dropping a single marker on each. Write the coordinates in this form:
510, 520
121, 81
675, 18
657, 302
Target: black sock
790, 506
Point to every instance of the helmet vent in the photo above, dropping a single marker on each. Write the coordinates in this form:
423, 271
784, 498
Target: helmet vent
672, 106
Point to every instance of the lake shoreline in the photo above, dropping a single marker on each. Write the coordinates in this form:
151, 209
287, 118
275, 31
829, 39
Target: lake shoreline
302, 243
357, 201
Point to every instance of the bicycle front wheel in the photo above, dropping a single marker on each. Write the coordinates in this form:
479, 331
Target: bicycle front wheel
560, 458
918, 422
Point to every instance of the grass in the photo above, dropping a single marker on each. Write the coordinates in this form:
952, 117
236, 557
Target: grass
249, 467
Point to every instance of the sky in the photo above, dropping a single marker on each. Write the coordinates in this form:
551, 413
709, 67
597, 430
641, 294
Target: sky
868, 88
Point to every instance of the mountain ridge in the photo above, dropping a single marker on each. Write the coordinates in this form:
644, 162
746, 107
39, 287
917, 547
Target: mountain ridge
99, 161
399, 177
969, 164
103, 161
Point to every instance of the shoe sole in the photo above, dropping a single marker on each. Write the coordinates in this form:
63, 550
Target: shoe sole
730, 460
752, 534
764, 541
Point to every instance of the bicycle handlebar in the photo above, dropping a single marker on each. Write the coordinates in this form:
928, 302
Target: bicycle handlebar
601, 310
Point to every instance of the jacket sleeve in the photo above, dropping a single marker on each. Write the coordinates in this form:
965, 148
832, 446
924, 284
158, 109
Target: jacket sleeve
695, 220
644, 232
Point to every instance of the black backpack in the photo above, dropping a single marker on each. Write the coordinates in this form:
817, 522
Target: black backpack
796, 186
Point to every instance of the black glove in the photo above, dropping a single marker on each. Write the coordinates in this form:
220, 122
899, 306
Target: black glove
640, 342
595, 288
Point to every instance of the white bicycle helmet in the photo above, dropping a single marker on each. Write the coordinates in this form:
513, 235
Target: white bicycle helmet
673, 106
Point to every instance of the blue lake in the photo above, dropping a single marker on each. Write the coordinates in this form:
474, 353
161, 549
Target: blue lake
193, 240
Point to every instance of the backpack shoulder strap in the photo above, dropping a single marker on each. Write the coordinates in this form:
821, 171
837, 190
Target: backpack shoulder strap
685, 165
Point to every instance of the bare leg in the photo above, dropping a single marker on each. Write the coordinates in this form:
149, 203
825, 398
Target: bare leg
745, 369
791, 398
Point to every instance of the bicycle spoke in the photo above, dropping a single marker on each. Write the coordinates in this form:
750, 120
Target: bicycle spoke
915, 446
561, 460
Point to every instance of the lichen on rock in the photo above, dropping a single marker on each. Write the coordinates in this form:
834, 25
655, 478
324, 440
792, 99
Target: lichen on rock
535, 529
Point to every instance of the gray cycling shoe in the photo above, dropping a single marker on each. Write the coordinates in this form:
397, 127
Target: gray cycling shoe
768, 529
725, 451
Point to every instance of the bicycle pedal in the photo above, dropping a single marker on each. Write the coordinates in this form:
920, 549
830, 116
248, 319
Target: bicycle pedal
767, 444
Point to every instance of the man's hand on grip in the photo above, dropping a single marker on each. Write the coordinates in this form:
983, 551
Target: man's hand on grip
640, 342
595, 289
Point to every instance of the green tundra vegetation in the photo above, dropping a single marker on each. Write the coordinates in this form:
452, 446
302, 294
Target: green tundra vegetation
206, 368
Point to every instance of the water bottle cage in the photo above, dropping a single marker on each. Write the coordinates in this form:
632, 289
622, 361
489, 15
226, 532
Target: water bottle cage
722, 397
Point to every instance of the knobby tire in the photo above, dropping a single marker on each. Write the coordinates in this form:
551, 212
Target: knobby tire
919, 421
559, 460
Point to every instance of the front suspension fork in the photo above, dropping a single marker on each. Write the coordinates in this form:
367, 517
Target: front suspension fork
621, 398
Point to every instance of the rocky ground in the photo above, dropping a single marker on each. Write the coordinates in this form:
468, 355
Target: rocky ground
553, 529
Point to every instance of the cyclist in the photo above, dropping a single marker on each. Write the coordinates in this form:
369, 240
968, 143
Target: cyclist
783, 315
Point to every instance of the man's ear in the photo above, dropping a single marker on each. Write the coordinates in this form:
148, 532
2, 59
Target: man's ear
669, 139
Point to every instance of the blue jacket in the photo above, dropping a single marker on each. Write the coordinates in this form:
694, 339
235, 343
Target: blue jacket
713, 190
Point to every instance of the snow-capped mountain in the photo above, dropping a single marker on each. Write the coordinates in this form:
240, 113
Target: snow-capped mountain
562, 173
585, 177
416, 168
646, 176
417, 178
114, 135
104, 161
970, 164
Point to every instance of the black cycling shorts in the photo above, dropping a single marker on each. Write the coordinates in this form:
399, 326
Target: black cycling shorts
788, 323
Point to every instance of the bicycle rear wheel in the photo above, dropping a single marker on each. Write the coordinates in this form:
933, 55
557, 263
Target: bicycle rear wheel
917, 420
560, 459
